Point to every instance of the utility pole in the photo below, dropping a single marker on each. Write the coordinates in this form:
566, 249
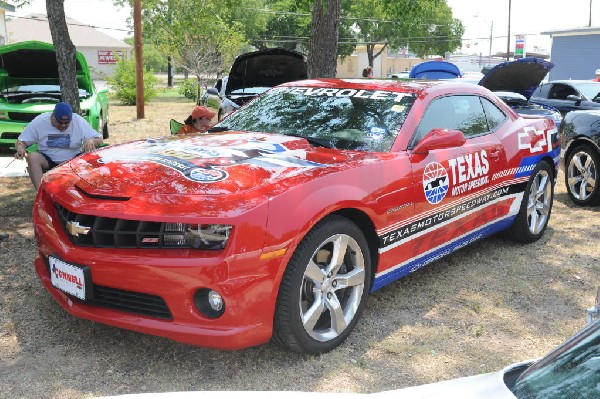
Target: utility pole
139, 58
491, 36
508, 38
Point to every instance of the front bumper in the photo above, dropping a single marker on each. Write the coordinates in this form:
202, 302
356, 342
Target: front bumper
247, 283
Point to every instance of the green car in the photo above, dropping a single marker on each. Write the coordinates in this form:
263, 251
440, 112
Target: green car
29, 86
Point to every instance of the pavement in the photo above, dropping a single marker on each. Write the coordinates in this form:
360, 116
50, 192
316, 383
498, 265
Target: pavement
12, 167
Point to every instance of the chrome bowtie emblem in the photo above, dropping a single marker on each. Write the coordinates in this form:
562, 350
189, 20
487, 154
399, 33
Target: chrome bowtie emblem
74, 228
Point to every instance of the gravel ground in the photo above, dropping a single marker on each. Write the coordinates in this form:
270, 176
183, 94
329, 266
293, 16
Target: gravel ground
478, 310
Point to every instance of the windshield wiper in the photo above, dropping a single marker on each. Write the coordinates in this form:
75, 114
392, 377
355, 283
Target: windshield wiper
314, 140
218, 129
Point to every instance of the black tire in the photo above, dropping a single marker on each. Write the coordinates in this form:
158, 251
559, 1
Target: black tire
581, 175
536, 206
314, 284
103, 127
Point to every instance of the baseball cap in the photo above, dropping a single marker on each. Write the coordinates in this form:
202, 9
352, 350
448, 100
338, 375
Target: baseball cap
597, 71
202, 112
63, 112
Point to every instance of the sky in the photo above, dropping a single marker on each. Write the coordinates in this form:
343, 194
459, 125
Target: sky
101, 14
527, 17
480, 18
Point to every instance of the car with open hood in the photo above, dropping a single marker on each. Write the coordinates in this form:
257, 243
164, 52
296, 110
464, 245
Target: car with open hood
435, 70
29, 86
515, 81
252, 74
282, 218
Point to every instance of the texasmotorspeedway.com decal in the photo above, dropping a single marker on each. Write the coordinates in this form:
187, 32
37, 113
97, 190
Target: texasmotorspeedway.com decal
428, 222
202, 159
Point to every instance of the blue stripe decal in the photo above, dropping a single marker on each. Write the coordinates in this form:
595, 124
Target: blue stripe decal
421, 261
528, 163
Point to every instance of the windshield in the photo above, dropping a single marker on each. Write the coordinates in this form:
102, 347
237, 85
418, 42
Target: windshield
570, 371
350, 119
590, 90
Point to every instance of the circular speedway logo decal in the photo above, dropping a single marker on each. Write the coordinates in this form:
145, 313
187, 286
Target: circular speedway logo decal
435, 182
207, 175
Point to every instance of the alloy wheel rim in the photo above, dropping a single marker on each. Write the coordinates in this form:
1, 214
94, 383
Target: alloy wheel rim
538, 205
582, 176
332, 287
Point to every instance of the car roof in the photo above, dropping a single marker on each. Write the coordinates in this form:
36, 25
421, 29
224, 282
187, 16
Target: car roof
417, 87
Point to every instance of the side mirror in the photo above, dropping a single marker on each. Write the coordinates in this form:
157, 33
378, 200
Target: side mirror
438, 139
212, 91
573, 97
103, 91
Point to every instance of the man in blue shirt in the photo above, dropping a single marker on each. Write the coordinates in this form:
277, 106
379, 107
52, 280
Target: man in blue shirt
60, 135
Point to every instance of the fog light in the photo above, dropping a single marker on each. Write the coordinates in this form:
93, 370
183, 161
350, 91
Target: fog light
209, 303
215, 300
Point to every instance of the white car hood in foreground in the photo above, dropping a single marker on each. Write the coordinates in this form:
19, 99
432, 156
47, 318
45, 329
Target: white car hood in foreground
483, 386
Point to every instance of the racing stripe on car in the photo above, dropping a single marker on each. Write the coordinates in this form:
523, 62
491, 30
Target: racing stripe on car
435, 220
396, 272
450, 205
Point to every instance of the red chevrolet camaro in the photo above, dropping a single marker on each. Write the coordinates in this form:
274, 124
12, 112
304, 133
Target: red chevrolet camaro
281, 220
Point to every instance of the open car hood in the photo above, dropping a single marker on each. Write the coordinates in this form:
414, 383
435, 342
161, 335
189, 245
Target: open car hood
520, 76
34, 63
435, 70
266, 68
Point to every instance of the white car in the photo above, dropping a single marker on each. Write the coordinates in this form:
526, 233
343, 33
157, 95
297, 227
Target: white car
572, 370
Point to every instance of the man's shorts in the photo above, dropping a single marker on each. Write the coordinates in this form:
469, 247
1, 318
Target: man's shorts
51, 163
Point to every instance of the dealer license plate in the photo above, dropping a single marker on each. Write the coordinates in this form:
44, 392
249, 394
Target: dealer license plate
69, 278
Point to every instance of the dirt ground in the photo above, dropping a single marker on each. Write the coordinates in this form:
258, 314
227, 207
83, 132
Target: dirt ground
478, 310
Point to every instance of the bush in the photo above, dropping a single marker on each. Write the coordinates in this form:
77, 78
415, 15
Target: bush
188, 88
123, 83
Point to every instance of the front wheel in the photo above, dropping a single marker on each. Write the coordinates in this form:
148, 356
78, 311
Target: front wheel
581, 175
536, 206
323, 290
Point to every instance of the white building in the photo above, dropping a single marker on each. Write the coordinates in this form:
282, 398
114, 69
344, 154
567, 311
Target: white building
100, 50
3, 8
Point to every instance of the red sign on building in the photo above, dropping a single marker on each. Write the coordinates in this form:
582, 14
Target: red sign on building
110, 56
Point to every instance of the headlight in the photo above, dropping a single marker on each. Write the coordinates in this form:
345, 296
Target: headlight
207, 236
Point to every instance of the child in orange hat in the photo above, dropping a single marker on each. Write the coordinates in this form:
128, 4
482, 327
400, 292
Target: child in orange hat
199, 120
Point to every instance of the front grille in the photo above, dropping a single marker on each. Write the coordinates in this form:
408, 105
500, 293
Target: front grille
133, 302
120, 233
22, 116
9, 135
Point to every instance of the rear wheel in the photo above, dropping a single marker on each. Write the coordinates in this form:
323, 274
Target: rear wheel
581, 175
323, 290
536, 206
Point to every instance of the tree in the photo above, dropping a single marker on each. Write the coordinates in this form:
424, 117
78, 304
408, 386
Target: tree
322, 54
64, 49
426, 26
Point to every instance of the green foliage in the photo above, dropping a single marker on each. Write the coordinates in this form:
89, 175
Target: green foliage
123, 83
154, 59
188, 88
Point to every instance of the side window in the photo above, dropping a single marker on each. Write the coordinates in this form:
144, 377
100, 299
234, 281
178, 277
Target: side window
541, 91
495, 117
469, 114
561, 91
464, 113
436, 116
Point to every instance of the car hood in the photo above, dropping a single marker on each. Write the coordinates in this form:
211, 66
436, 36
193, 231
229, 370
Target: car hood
488, 386
223, 164
435, 70
265, 68
34, 62
520, 76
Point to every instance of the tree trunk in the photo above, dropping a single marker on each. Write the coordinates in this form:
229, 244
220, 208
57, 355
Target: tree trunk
65, 53
322, 54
